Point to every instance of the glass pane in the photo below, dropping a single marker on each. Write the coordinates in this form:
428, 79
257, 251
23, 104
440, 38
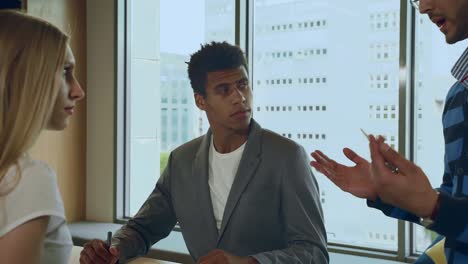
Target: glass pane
322, 70
163, 114
434, 61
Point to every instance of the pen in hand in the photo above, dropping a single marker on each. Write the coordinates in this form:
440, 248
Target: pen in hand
393, 168
109, 238
109, 241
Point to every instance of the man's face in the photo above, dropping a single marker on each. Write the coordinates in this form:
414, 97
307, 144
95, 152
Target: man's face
228, 100
451, 16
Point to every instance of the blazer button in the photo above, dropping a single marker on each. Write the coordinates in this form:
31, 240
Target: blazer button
460, 171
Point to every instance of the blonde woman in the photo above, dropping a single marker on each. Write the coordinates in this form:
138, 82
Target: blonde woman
37, 91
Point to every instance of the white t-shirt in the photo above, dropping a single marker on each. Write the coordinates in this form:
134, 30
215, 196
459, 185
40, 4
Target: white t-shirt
36, 195
222, 171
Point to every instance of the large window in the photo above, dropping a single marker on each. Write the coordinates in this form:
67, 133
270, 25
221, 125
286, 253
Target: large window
320, 71
332, 70
161, 113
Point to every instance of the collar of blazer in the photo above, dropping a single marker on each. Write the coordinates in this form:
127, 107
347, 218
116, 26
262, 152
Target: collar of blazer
247, 166
253, 148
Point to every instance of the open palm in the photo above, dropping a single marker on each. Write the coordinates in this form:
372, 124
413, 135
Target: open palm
355, 180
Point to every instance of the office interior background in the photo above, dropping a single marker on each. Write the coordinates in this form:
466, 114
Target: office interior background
320, 71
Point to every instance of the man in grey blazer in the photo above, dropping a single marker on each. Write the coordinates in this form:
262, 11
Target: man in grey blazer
240, 193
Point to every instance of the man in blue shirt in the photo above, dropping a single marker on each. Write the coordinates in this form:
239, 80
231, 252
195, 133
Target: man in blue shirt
398, 187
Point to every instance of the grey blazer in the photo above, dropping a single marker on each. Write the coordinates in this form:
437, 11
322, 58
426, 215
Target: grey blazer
272, 213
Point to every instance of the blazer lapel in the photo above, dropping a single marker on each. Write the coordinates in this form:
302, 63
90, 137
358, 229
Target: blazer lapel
200, 176
247, 166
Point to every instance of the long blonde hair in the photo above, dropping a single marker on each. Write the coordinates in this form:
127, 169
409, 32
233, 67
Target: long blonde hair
31, 53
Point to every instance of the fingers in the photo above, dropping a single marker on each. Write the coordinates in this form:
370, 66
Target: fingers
338, 180
84, 258
216, 259
114, 251
114, 260
320, 163
380, 138
394, 158
384, 175
101, 249
211, 257
322, 169
211, 254
323, 164
88, 256
321, 156
376, 156
353, 156
325, 161
95, 252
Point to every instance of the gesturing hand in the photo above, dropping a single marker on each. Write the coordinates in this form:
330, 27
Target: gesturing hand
408, 188
355, 180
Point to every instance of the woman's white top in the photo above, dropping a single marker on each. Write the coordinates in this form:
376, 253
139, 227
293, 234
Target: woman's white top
35, 195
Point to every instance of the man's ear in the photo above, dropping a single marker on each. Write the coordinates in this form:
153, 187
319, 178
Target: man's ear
199, 101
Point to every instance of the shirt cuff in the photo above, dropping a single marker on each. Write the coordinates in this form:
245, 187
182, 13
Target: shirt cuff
448, 222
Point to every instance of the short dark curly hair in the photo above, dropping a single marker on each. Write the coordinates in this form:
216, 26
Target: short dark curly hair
214, 56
